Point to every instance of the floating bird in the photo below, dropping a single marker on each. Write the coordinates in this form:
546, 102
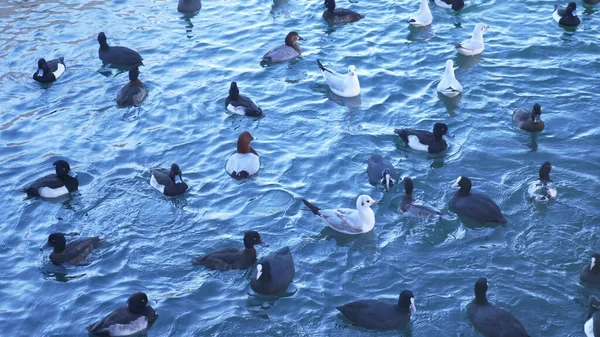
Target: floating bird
189, 6
454, 4
543, 190
347, 220
118, 55
474, 45
339, 15
286, 51
244, 162
54, 185
590, 273
136, 317
490, 320
381, 171
232, 258
448, 85
529, 120
134, 92
408, 205
476, 206
273, 272
376, 314
346, 85
424, 140
72, 253
50, 71
423, 16
241, 105
566, 16
592, 320
169, 182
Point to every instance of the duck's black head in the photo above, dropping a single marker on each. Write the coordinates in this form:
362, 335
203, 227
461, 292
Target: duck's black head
134, 73
481, 287
63, 169
58, 241
175, 173
408, 185
464, 184
330, 4
292, 38
102, 40
545, 171
407, 300
572, 6
263, 271
42, 63
137, 303
441, 129
234, 92
536, 113
251, 238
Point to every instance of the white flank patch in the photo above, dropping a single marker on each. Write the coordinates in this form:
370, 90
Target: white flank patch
413, 142
155, 184
588, 327
239, 162
48, 192
59, 70
128, 329
238, 110
555, 16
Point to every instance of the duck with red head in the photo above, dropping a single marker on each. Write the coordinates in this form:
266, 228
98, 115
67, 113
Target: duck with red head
286, 51
245, 162
169, 182
134, 92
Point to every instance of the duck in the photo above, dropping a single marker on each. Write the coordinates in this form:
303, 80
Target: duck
422, 140
408, 206
591, 326
377, 314
189, 6
241, 105
273, 272
543, 190
474, 45
476, 206
381, 171
529, 120
245, 162
344, 85
49, 71
490, 320
449, 85
134, 92
566, 16
346, 220
591, 1
590, 273
232, 258
453, 4
135, 317
63, 182
118, 55
422, 17
168, 182
72, 253
286, 51
339, 15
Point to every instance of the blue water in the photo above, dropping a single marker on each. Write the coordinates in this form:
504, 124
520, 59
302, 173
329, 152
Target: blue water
313, 145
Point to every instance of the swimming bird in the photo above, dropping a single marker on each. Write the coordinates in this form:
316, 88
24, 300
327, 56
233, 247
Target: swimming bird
339, 15
376, 314
117, 55
381, 171
50, 71
566, 16
134, 92
592, 320
543, 190
241, 105
490, 320
423, 16
449, 85
54, 185
136, 317
273, 272
590, 273
232, 258
344, 85
347, 220
408, 205
474, 45
454, 4
71, 253
591, 1
424, 140
169, 182
286, 51
189, 6
244, 162
476, 206
529, 120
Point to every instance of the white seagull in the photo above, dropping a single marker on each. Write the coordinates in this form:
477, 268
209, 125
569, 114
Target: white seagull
449, 85
342, 85
474, 45
422, 17
347, 220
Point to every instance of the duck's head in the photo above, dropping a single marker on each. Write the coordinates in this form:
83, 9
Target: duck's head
330, 4
441, 129
137, 303
481, 287
134, 73
102, 40
365, 201
63, 169
252, 238
352, 70
234, 92
292, 38
243, 144
42, 64
408, 185
536, 113
57, 241
175, 173
545, 171
464, 184
407, 300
